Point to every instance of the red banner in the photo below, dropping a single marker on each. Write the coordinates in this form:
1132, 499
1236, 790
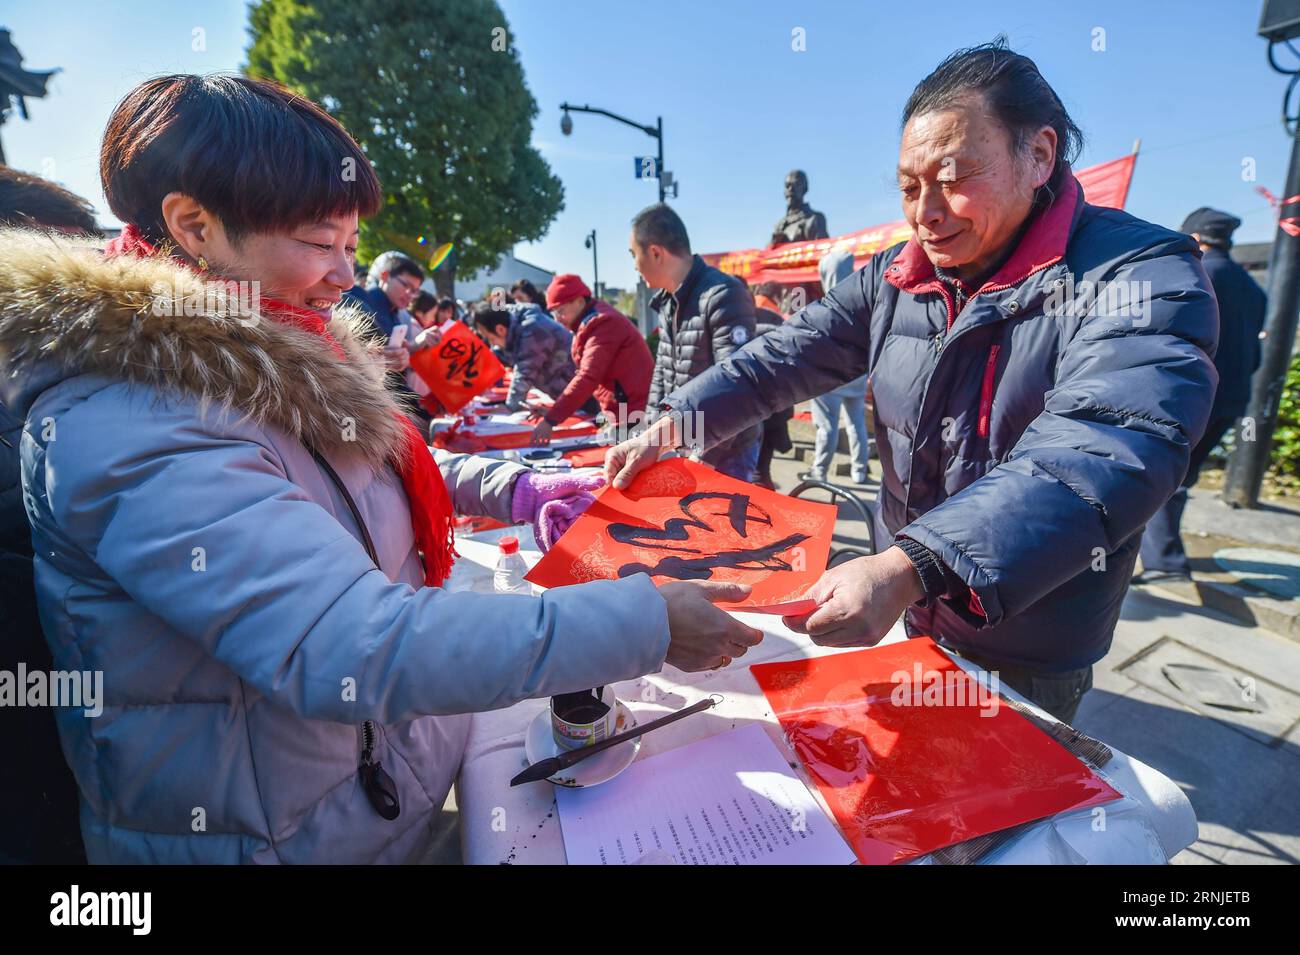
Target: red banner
1103, 185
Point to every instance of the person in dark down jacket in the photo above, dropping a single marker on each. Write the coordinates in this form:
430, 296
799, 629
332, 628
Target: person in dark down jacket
535, 345
1026, 433
705, 316
38, 806
776, 428
234, 525
614, 364
1241, 317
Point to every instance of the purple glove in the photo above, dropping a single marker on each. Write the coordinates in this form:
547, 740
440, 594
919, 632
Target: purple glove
552, 502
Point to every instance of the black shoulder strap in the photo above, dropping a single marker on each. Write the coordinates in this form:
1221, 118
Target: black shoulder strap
352, 505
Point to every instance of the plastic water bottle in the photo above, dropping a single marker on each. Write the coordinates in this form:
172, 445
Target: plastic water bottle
509, 576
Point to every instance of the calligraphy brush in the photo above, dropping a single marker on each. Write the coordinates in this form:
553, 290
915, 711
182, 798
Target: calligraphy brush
549, 767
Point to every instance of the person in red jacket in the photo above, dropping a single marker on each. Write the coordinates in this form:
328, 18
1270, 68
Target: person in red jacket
613, 361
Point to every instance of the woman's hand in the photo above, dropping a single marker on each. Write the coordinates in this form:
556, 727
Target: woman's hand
552, 502
702, 637
860, 600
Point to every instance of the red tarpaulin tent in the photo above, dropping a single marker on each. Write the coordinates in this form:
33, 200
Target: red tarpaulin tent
1103, 185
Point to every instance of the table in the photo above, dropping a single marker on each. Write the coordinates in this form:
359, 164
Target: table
499, 824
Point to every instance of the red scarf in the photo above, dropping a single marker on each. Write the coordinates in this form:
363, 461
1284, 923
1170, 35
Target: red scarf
431, 512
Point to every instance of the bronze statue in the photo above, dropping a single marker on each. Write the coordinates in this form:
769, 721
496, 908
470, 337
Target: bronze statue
800, 222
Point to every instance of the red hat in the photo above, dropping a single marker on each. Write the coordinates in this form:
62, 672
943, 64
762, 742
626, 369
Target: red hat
565, 288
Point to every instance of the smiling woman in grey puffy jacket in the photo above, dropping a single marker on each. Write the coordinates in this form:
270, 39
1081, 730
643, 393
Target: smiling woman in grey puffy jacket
201, 428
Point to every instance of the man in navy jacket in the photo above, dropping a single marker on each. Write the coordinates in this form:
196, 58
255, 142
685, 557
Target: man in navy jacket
1041, 369
1241, 317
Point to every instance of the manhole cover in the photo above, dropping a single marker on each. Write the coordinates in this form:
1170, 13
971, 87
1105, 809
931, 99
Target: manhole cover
1274, 571
1243, 700
1214, 687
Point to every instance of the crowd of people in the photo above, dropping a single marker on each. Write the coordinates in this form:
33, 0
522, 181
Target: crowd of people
239, 521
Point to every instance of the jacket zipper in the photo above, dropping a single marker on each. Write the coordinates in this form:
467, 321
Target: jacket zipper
379, 786
986, 392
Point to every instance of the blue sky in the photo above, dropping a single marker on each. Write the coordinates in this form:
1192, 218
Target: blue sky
741, 107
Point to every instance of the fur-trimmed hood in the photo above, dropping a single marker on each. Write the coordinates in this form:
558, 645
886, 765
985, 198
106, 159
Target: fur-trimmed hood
66, 309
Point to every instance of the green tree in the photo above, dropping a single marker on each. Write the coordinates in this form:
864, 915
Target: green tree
1286, 434
435, 95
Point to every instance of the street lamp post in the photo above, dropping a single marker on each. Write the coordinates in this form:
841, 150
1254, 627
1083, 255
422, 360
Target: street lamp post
595, 265
657, 131
1249, 460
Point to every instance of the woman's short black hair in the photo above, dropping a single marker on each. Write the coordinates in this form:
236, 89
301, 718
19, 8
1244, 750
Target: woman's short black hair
529, 290
260, 157
423, 302
1014, 90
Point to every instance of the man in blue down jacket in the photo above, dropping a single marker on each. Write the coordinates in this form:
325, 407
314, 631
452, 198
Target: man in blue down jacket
1041, 368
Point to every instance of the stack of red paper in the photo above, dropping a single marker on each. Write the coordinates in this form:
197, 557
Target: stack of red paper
912, 754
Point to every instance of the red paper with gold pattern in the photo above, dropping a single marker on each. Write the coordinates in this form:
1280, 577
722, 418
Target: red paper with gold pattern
685, 521
904, 775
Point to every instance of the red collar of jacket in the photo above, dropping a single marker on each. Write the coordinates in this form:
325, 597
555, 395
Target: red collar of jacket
1043, 245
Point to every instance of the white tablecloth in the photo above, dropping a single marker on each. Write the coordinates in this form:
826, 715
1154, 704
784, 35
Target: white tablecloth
500, 824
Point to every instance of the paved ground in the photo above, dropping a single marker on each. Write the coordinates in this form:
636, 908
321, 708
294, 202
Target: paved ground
1240, 769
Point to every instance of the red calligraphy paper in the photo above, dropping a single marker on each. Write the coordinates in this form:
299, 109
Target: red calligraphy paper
681, 520
459, 367
911, 754
586, 457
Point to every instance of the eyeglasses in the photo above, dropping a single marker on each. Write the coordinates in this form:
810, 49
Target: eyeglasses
413, 289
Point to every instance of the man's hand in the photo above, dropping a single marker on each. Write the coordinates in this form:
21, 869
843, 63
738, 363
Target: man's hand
542, 433
702, 637
397, 358
625, 461
860, 600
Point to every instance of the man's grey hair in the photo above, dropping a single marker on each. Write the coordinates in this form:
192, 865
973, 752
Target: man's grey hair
384, 262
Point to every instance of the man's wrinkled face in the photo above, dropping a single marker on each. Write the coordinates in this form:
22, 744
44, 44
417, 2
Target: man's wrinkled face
965, 193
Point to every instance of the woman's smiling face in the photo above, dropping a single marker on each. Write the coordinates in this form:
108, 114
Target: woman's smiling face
310, 266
